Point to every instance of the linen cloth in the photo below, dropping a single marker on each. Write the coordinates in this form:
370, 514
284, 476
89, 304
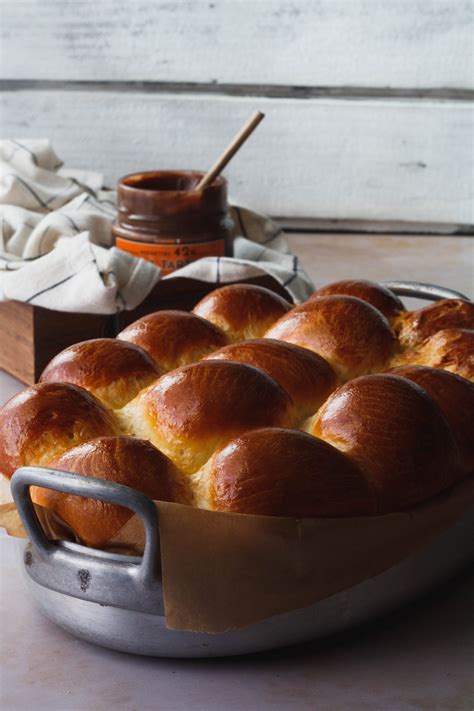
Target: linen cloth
56, 244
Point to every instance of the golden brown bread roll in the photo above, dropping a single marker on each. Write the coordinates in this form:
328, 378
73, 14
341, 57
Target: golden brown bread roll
455, 397
397, 435
47, 419
451, 349
307, 377
124, 460
189, 412
375, 294
174, 338
280, 472
412, 327
242, 311
114, 371
350, 333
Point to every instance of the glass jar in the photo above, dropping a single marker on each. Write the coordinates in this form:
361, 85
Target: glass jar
163, 219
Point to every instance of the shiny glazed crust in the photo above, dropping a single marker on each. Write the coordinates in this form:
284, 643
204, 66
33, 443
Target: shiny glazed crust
455, 397
397, 435
379, 443
189, 412
174, 338
114, 371
124, 460
349, 333
242, 311
451, 349
375, 294
280, 472
305, 376
412, 327
47, 419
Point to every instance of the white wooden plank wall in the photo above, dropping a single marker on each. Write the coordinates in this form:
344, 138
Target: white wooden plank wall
314, 43
369, 160
369, 103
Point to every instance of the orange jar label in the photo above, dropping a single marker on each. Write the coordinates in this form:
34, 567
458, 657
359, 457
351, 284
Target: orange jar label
170, 257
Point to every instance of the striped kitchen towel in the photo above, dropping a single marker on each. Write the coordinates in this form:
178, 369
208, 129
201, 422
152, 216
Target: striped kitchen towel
56, 245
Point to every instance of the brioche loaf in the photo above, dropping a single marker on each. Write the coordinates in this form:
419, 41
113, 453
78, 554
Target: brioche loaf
218, 429
174, 338
112, 370
455, 398
437, 335
242, 311
397, 435
349, 333
280, 472
412, 327
451, 349
46, 420
124, 460
377, 295
305, 376
189, 412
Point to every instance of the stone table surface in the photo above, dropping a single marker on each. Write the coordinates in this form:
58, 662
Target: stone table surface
444, 260
417, 659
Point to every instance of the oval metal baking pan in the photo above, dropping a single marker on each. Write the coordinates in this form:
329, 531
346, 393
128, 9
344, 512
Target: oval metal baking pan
116, 601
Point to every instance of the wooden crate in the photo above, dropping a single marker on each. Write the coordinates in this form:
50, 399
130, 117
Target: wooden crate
30, 335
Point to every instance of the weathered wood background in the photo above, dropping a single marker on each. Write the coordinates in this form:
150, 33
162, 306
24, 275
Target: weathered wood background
369, 103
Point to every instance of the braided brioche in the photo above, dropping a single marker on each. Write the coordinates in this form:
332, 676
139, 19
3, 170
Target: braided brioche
220, 433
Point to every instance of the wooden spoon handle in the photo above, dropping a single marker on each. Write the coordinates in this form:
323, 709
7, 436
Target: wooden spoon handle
231, 150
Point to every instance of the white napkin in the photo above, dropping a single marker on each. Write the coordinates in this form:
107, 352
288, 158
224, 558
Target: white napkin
56, 241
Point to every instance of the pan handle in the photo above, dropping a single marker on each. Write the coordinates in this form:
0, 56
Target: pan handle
92, 488
418, 290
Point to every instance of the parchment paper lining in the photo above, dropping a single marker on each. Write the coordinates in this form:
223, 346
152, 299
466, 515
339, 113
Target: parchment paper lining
225, 571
